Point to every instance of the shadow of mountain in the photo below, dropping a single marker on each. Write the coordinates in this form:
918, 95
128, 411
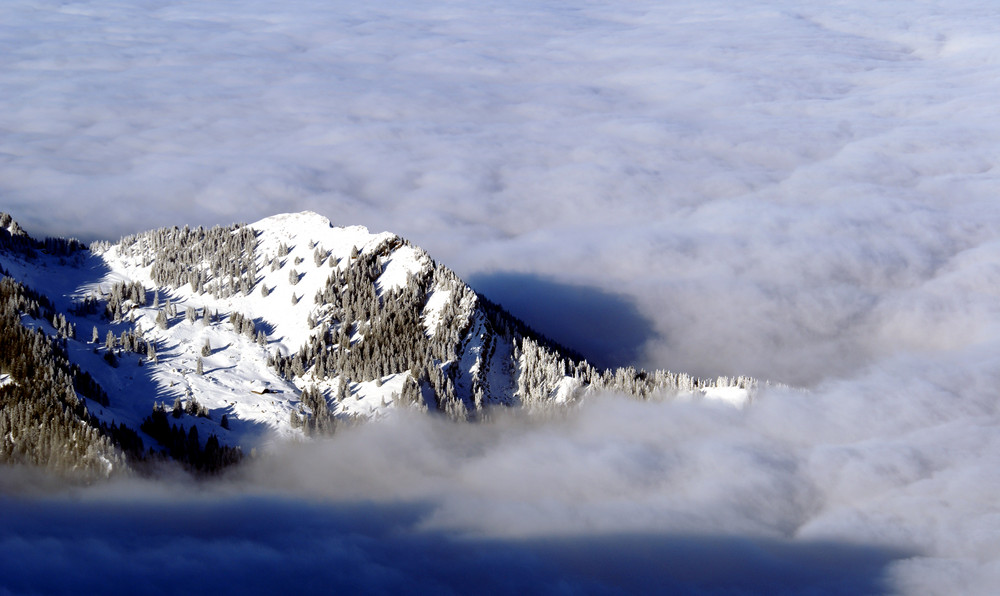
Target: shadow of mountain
606, 328
134, 390
132, 384
261, 545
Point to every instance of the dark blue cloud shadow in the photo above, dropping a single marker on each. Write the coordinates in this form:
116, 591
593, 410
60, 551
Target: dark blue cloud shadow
605, 328
262, 545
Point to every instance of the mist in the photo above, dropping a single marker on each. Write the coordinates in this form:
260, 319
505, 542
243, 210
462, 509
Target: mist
804, 192
881, 483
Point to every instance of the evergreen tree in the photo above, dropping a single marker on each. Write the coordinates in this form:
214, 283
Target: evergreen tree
44, 420
161, 319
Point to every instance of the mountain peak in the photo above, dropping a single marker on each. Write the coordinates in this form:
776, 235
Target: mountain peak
306, 217
307, 225
286, 327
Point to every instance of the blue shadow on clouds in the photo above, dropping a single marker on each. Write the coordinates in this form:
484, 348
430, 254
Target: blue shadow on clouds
606, 328
269, 545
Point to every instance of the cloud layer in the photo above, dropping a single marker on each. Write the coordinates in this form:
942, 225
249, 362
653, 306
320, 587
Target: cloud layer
263, 545
883, 483
801, 191
788, 190
888, 459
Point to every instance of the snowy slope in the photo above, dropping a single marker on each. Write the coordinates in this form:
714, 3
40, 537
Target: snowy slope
237, 367
481, 357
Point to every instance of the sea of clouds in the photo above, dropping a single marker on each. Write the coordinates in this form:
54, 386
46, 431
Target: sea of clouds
801, 191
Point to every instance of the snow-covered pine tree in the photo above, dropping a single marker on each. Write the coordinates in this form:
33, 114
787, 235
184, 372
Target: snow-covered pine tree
161, 319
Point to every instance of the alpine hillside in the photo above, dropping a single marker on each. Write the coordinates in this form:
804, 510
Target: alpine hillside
203, 345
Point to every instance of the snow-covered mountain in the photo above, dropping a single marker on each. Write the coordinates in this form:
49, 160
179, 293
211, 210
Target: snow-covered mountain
252, 334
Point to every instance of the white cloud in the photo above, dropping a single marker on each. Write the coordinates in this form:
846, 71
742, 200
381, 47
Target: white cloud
790, 165
900, 457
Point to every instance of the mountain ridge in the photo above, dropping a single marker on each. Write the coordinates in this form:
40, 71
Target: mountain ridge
252, 334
